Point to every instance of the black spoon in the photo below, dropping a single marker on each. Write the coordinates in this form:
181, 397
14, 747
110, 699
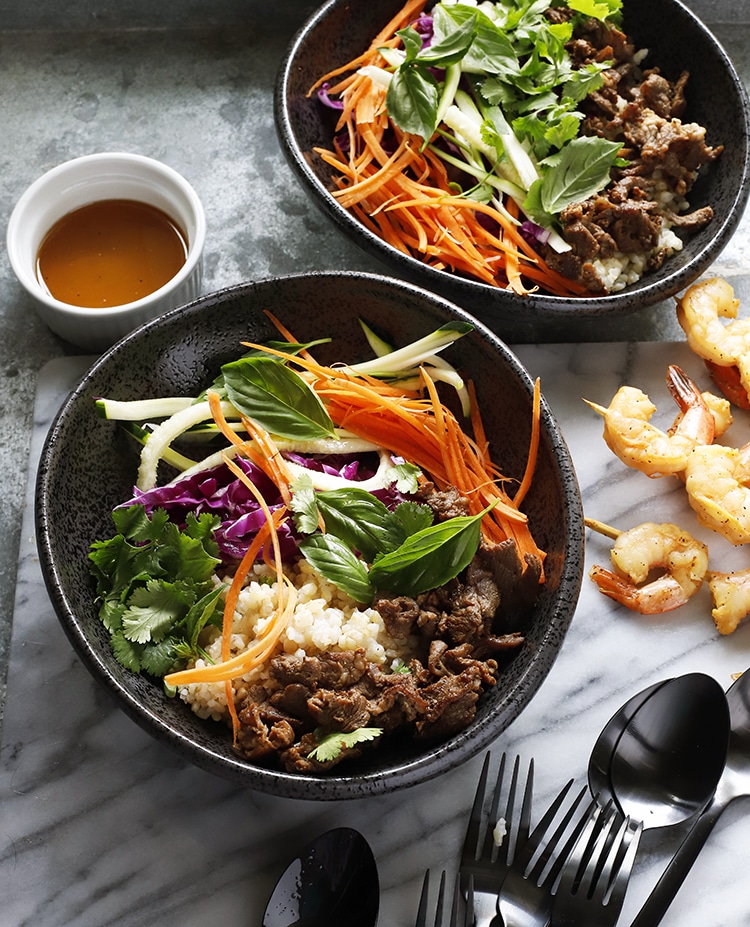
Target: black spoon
334, 880
600, 761
670, 756
734, 783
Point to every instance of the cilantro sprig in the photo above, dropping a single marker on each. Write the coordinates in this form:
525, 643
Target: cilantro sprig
155, 587
330, 745
508, 101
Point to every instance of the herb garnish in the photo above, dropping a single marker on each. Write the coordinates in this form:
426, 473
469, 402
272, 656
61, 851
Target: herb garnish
507, 101
331, 745
156, 589
367, 548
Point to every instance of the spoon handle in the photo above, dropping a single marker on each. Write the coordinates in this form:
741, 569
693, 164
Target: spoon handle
665, 890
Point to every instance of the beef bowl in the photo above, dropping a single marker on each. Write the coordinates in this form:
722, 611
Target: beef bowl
94, 455
670, 97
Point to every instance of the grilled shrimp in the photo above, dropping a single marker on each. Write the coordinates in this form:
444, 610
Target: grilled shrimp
725, 348
731, 597
631, 436
638, 552
717, 481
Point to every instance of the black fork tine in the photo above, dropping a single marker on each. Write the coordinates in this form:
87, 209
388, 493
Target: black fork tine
455, 914
468, 918
541, 847
619, 884
596, 878
421, 920
580, 854
424, 902
483, 840
472, 840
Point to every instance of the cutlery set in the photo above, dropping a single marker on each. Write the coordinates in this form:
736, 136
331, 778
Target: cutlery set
677, 752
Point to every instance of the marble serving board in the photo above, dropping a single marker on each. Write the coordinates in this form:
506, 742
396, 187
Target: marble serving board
100, 825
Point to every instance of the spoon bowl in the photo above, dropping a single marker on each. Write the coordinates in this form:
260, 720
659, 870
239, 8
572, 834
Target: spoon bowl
734, 783
670, 756
334, 880
604, 748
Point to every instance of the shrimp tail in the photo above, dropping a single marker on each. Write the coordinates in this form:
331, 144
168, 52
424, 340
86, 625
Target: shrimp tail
662, 595
729, 381
681, 387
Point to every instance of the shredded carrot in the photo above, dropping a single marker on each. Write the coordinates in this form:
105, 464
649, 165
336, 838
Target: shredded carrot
401, 19
405, 195
264, 644
425, 432
525, 484
273, 463
230, 606
267, 456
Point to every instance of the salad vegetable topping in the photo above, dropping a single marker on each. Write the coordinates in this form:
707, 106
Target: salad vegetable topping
468, 130
363, 473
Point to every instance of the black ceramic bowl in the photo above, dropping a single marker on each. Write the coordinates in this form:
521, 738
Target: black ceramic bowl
88, 466
676, 41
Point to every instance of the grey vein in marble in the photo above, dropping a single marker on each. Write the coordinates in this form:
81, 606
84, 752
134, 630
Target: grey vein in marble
101, 825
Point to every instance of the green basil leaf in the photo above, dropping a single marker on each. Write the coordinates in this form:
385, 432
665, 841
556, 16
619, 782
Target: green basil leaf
533, 207
412, 43
288, 347
338, 564
489, 52
577, 171
429, 558
412, 100
277, 398
360, 520
450, 47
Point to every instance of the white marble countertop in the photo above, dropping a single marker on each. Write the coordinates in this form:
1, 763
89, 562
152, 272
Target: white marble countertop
101, 825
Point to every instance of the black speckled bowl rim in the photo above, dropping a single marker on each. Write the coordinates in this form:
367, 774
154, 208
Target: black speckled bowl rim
677, 40
87, 465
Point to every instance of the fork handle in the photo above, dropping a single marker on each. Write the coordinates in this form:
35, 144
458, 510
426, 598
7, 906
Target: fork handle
665, 890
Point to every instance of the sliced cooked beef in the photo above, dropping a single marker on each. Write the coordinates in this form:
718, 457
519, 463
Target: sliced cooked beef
693, 220
463, 628
629, 226
447, 503
339, 711
399, 614
264, 731
329, 670
664, 98
451, 703
642, 110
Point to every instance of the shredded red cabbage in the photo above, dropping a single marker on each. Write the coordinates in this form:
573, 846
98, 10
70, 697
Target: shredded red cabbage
217, 491
533, 232
424, 26
328, 100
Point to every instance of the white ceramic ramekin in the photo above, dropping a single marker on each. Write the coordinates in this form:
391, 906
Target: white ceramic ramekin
76, 183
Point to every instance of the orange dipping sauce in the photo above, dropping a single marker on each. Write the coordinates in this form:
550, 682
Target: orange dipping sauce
110, 253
